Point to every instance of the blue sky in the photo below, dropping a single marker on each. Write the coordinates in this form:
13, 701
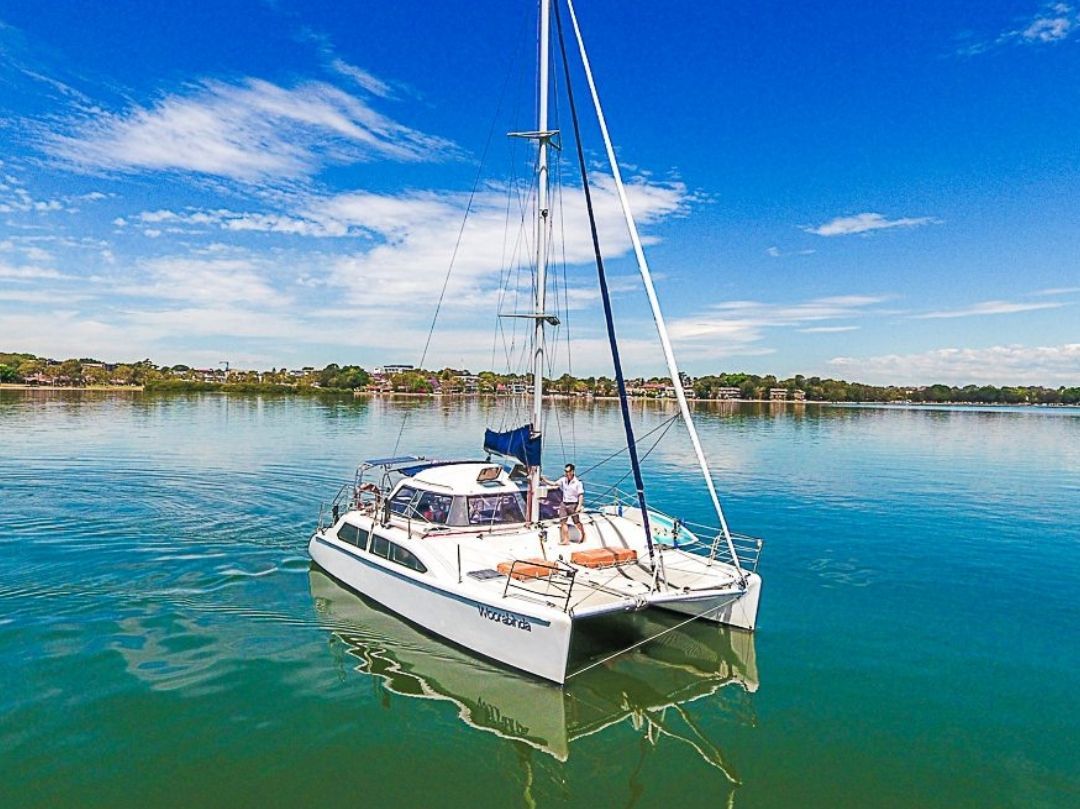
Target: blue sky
883, 192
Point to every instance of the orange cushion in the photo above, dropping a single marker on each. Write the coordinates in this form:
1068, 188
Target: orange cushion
527, 569
603, 557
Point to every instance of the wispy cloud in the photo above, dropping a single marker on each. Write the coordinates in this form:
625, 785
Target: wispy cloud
369, 82
1054, 22
865, 222
250, 131
212, 281
989, 308
27, 272
998, 365
401, 244
827, 329
414, 236
776, 252
737, 327
1057, 291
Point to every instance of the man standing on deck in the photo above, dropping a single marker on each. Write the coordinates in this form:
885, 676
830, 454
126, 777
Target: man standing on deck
573, 499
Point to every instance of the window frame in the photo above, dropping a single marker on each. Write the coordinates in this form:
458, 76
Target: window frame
376, 539
347, 526
411, 560
407, 510
498, 497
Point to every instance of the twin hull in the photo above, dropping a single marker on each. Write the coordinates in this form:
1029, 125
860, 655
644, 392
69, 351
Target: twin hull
529, 637
521, 639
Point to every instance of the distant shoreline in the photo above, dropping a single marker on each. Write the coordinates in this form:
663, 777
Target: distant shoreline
24, 386
255, 388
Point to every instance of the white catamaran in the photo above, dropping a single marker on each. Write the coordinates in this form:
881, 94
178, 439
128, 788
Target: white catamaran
470, 550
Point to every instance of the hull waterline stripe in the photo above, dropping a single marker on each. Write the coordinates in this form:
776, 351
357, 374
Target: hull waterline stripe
431, 588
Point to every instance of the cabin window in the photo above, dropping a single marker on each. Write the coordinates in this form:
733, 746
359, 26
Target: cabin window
496, 509
399, 503
380, 546
406, 557
362, 539
434, 508
347, 532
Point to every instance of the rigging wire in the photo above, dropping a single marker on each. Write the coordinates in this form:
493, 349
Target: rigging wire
457, 242
664, 425
614, 486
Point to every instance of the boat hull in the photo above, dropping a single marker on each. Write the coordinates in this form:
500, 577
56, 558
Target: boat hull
530, 639
731, 609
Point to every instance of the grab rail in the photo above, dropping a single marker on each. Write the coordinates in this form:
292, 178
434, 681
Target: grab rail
561, 580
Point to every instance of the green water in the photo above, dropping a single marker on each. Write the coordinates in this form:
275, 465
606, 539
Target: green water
165, 642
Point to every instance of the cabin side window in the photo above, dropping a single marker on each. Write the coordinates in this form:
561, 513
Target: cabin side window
406, 557
380, 545
362, 538
347, 532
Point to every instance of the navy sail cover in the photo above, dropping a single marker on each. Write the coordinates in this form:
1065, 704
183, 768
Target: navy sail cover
521, 443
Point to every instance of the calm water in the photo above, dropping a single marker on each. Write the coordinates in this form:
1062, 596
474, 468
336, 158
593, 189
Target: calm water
163, 640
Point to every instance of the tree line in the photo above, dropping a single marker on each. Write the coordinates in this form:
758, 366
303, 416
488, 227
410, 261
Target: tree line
18, 368
87, 371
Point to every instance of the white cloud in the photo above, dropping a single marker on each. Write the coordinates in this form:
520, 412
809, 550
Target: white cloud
738, 326
415, 235
1057, 291
1055, 22
362, 77
998, 365
214, 282
27, 272
865, 222
828, 329
14, 198
988, 308
404, 242
64, 333
776, 252
250, 131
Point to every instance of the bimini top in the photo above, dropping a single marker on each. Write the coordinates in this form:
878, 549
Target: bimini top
465, 477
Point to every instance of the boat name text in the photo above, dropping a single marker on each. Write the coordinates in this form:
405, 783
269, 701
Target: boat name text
508, 618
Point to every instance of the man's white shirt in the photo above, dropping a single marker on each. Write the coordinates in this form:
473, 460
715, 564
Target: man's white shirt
572, 490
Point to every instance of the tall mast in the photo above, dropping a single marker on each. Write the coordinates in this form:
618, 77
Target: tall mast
539, 292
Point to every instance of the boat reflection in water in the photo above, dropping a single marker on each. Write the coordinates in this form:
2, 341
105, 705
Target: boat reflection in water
651, 686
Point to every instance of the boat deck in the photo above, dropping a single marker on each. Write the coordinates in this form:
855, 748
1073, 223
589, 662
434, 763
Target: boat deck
584, 591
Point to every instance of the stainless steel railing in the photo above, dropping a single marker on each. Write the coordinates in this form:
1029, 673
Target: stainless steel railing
700, 538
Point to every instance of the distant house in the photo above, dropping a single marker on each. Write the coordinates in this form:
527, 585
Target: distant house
390, 370
467, 382
658, 389
778, 394
210, 374
728, 393
800, 396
